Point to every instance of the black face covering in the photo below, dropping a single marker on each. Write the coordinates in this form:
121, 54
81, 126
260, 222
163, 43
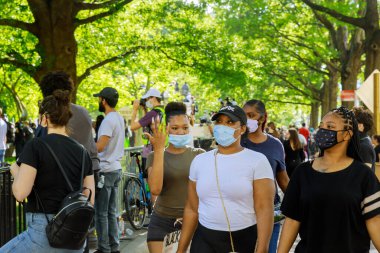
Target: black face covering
101, 107
326, 138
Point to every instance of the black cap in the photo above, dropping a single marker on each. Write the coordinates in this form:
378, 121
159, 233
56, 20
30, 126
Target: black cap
234, 112
109, 93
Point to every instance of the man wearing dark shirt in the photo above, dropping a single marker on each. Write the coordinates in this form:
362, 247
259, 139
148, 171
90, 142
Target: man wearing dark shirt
365, 123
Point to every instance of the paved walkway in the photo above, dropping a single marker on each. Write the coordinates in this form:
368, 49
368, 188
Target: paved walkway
137, 244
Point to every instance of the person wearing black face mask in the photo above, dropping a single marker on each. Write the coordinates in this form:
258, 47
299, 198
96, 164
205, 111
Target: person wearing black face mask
333, 201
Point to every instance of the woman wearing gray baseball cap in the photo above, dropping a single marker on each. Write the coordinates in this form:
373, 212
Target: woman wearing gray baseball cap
230, 194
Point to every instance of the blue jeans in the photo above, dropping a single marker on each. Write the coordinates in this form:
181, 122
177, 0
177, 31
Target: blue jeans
274, 238
105, 213
34, 239
2, 155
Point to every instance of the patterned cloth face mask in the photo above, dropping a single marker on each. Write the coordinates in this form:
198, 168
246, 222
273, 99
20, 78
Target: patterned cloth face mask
326, 138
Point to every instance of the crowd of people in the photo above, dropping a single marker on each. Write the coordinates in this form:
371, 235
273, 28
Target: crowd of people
226, 199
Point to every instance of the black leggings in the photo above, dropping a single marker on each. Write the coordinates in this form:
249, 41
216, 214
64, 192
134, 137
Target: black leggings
213, 241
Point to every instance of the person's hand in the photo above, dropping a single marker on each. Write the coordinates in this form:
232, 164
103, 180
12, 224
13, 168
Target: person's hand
136, 104
158, 138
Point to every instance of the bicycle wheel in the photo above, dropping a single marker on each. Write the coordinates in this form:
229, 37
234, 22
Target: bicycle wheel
135, 202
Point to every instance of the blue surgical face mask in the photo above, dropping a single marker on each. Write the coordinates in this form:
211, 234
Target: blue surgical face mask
180, 141
224, 135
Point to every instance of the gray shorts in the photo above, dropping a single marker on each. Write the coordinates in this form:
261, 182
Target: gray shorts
160, 226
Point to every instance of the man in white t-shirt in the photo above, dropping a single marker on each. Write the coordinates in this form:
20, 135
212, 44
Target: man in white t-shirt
3, 137
110, 145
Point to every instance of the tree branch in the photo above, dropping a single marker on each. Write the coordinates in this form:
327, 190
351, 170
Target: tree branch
80, 5
29, 27
95, 17
292, 86
176, 60
87, 72
27, 68
360, 22
329, 26
285, 102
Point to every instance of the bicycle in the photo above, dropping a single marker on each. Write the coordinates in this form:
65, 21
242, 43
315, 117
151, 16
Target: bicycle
137, 197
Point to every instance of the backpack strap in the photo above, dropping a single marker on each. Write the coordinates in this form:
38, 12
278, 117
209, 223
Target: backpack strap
61, 168
39, 201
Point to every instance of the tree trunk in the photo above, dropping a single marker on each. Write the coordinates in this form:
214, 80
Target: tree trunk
351, 64
333, 89
57, 45
372, 34
314, 114
373, 54
325, 98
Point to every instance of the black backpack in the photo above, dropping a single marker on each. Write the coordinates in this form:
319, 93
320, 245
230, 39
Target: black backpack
68, 229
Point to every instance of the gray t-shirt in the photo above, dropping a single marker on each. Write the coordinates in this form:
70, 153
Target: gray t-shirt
113, 127
171, 201
80, 129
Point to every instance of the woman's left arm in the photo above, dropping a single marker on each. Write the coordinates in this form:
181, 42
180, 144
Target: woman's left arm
373, 225
263, 196
23, 182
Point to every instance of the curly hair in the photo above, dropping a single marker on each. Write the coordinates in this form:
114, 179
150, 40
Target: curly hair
56, 80
57, 107
363, 116
174, 109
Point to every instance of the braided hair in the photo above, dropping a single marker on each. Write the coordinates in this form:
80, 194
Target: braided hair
350, 123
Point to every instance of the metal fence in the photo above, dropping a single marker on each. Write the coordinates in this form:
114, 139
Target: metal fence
12, 213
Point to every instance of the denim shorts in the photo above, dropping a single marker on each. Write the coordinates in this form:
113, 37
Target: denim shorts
34, 239
160, 226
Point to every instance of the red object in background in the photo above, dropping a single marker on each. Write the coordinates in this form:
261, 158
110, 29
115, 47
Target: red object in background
347, 95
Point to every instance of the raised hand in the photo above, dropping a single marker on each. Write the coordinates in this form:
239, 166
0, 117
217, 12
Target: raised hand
158, 138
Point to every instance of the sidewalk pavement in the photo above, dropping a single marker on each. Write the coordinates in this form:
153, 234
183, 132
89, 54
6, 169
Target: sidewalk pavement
136, 243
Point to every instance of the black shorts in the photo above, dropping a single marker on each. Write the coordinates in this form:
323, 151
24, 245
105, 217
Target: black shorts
210, 241
160, 226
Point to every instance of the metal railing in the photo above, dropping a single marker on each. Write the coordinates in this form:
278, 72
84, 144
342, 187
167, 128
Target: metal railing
12, 213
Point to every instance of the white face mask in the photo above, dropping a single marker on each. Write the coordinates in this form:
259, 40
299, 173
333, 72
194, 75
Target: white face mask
252, 125
149, 104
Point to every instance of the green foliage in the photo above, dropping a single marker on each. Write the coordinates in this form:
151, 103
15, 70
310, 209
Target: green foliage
275, 51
